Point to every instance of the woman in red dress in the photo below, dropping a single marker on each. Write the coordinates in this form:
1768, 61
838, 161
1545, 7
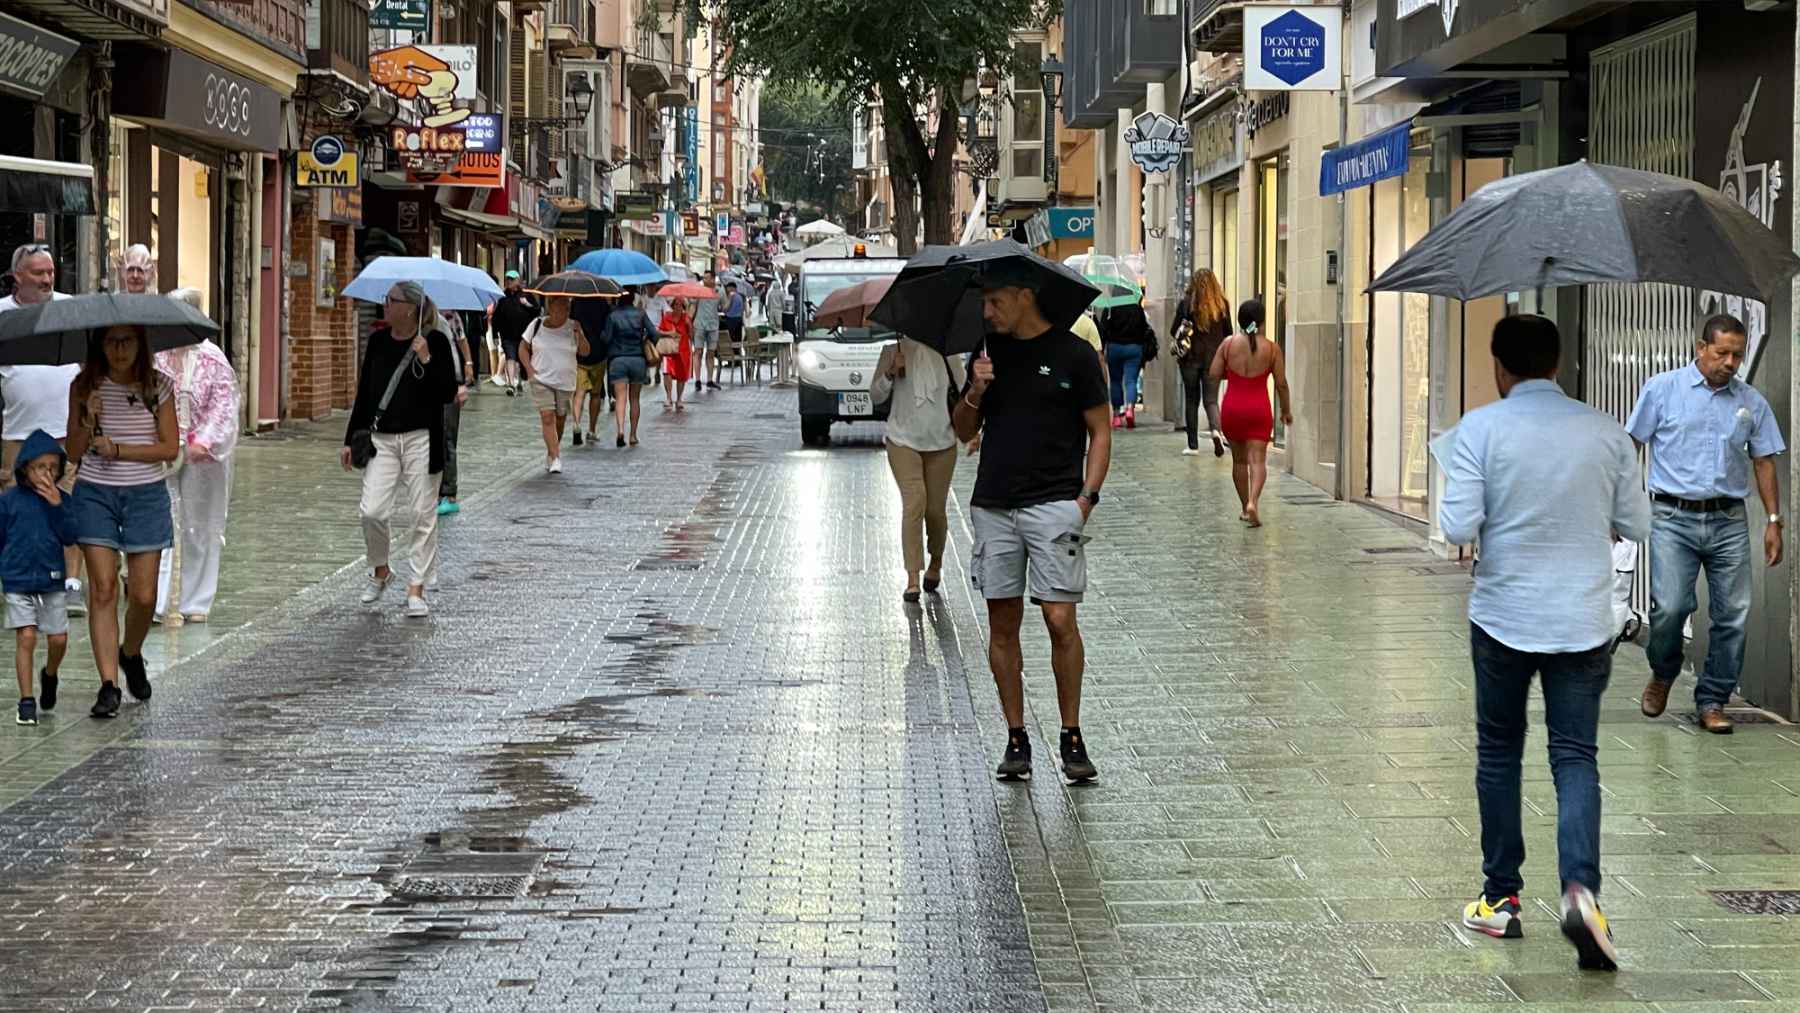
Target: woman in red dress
678, 367
1245, 364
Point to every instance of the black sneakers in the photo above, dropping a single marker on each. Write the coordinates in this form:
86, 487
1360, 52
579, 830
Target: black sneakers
578, 436
137, 678
46, 690
28, 711
106, 705
1075, 766
1016, 766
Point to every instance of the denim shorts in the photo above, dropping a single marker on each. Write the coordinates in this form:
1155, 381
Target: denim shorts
629, 369
126, 518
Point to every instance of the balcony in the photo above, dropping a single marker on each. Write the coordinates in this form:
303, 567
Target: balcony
1149, 45
278, 24
567, 25
1092, 89
1218, 26
343, 34
649, 66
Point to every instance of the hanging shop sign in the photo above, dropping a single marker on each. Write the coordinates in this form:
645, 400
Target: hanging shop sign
1293, 48
420, 147
410, 15
471, 168
1155, 141
178, 91
635, 205
1378, 156
482, 132
439, 76
31, 58
327, 162
721, 223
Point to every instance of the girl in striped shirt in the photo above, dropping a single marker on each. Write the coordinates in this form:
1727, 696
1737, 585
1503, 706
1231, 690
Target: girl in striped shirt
122, 431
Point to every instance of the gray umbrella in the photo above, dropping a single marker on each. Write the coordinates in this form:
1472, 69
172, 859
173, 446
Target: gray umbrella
56, 333
1585, 223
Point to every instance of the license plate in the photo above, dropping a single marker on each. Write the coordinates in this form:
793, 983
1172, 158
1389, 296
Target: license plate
855, 404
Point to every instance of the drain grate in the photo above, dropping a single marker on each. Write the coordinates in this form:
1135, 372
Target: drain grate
1389, 550
461, 887
667, 564
1759, 902
467, 875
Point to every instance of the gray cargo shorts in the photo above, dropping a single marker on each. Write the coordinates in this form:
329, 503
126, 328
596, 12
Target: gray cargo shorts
1039, 549
48, 611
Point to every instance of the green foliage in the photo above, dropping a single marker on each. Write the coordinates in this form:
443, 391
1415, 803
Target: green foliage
806, 145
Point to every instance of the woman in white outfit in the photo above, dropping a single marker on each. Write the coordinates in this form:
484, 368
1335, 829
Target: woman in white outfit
407, 378
207, 408
921, 449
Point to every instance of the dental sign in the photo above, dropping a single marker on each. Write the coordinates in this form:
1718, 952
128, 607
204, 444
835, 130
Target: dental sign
1293, 48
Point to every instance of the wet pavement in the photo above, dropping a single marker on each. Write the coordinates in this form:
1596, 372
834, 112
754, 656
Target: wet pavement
671, 742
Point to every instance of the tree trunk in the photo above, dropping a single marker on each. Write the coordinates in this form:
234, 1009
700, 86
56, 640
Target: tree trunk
905, 218
938, 181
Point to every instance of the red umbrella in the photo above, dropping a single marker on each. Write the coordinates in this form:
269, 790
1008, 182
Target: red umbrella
686, 290
849, 307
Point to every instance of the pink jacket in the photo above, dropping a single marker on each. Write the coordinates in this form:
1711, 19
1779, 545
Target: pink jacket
207, 404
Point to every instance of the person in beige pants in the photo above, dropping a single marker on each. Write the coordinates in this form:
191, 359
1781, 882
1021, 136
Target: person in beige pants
921, 386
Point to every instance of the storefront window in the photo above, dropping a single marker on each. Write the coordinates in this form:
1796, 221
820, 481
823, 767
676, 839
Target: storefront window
1225, 245
1400, 347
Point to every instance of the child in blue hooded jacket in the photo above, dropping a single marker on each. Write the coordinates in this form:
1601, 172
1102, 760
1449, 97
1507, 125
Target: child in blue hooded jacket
35, 525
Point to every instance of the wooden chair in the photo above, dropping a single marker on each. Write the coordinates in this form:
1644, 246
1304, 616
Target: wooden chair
730, 355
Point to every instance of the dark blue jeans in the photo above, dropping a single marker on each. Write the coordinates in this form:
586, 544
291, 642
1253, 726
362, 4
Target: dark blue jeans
1124, 363
1681, 543
1572, 685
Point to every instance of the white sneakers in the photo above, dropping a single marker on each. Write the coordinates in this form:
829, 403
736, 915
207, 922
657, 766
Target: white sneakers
553, 465
1190, 452
376, 587
416, 607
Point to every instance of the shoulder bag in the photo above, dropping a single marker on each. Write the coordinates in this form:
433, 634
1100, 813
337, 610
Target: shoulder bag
362, 442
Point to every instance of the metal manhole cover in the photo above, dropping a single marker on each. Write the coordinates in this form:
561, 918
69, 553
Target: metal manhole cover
1759, 902
461, 887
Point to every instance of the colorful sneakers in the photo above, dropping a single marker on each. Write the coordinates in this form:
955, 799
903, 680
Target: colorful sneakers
1586, 928
1498, 920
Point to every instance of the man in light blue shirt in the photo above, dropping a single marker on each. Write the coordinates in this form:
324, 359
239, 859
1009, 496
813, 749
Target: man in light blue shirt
1707, 431
1545, 483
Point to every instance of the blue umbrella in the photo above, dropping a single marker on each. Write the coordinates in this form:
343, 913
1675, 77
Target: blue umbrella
627, 267
450, 286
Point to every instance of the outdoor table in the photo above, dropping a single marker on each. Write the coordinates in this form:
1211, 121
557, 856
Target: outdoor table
784, 357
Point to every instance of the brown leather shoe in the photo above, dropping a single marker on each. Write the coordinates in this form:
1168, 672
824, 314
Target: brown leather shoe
1714, 720
1656, 697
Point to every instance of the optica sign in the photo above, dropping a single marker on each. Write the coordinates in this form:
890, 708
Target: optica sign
1071, 223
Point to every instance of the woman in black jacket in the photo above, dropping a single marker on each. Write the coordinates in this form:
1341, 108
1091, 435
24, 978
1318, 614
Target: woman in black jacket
1202, 323
411, 354
1130, 344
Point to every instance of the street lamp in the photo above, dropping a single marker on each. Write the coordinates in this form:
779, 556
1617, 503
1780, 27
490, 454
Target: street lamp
1052, 71
581, 92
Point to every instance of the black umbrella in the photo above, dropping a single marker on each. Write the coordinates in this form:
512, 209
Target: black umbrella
937, 298
1585, 223
576, 285
56, 333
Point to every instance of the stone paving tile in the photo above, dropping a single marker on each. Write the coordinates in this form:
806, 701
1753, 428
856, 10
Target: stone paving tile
1294, 712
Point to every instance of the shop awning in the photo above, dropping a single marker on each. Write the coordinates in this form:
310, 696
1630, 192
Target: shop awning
503, 225
1378, 156
32, 184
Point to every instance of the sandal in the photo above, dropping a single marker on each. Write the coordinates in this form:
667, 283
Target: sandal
911, 596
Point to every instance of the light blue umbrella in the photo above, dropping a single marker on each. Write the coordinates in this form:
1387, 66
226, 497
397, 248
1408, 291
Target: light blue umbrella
627, 267
450, 286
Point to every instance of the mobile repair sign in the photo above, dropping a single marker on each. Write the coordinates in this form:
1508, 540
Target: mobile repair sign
1293, 48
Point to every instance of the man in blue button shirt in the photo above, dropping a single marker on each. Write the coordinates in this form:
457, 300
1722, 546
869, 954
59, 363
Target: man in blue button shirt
1707, 431
1544, 482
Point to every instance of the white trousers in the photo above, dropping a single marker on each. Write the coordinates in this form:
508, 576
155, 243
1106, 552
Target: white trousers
400, 479
199, 495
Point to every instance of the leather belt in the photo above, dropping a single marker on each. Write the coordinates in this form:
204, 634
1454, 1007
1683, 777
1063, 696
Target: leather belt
1697, 506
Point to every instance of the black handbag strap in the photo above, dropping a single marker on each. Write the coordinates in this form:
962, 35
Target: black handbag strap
406, 362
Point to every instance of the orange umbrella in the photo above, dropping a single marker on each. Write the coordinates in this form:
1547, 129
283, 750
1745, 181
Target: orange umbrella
686, 290
850, 306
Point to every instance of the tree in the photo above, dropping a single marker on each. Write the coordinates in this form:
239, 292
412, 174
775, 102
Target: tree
806, 145
911, 56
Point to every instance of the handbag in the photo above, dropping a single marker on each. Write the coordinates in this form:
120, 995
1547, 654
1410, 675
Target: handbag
362, 442
1183, 341
668, 345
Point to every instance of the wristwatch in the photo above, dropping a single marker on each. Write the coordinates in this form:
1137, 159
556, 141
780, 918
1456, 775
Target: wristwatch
1091, 495
1775, 519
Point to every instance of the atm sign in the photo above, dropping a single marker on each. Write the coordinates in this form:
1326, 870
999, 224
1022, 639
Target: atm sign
327, 164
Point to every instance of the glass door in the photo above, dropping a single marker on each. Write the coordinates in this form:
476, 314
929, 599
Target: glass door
1271, 254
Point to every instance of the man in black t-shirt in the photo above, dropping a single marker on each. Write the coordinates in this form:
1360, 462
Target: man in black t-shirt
1037, 395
